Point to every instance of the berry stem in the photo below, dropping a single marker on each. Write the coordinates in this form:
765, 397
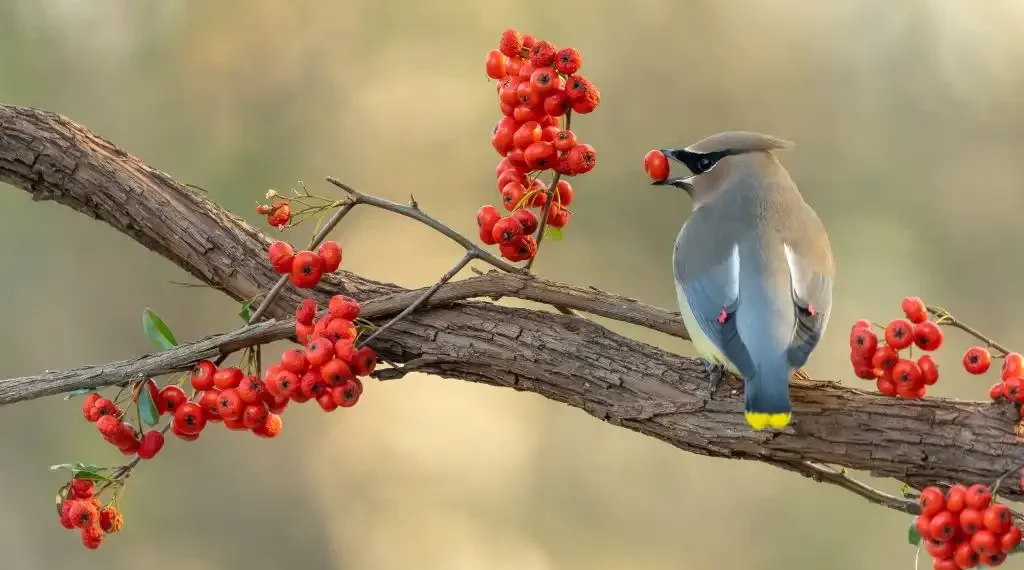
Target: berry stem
840, 478
943, 317
469, 256
547, 208
999, 480
426, 219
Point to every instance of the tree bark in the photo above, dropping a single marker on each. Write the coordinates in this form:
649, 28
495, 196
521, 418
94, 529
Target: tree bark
564, 358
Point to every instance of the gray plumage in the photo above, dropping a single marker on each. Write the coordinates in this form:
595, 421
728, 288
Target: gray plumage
753, 267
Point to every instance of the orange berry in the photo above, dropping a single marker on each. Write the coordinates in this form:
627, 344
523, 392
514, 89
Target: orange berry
345, 351
995, 391
965, 556
544, 80
326, 401
1009, 540
979, 496
255, 415
956, 498
563, 193
235, 424
886, 385
985, 542
998, 518
83, 514
1013, 365
306, 312
540, 155
1012, 389
922, 523
944, 564
495, 64
568, 61
270, 427
993, 559
557, 103
335, 372
511, 43
344, 307
564, 140
347, 394
971, 520
542, 53
365, 361
940, 549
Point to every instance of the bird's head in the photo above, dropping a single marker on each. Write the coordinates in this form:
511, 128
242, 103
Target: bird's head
710, 160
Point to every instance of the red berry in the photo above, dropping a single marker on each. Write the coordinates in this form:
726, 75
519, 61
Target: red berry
923, 523
977, 360
171, 397
81, 488
108, 426
527, 219
998, 518
1012, 389
568, 61
502, 135
294, 360
529, 99
178, 431
527, 134
345, 351
563, 193
656, 165
540, 155
932, 501
486, 217
993, 559
365, 361
1013, 365
251, 390
270, 427
913, 306
558, 217
944, 564
111, 519
542, 54
528, 41
255, 415
978, 496
319, 351
151, 444
326, 401
907, 375
564, 140
229, 377
281, 256
985, 542
899, 334
956, 498
965, 556
346, 395
939, 549
229, 404
928, 336
312, 385
511, 195
344, 307
335, 372
929, 369
330, 253
862, 368
943, 526
307, 269
861, 324
495, 64
92, 537
202, 375
283, 384
511, 43
508, 231
544, 80
190, 418
338, 329
885, 357
1009, 540
863, 342
520, 251
886, 385
582, 158
280, 214
88, 405
971, 520
557, 103
995, 391
83, 514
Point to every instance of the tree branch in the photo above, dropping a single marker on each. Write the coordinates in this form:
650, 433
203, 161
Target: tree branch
563, 358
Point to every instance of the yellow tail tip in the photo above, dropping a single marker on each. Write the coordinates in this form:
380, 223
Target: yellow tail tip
760, 420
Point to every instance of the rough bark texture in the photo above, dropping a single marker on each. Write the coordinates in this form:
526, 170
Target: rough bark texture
564, 358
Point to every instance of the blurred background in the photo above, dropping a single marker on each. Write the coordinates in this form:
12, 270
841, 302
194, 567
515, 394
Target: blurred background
909, 130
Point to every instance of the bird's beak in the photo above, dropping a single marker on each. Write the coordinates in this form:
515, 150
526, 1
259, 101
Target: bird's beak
684, 182
671, 153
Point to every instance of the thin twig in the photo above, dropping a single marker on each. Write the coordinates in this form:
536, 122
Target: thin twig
550, 193
840, 479
999, 480
426, 219
320, 236
944, 317
469, 256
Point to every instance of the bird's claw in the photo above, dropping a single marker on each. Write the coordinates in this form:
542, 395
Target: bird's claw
715, 374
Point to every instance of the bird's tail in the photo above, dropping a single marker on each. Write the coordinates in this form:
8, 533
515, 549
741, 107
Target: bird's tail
766, 394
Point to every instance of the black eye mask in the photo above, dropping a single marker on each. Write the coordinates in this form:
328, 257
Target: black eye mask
699, 162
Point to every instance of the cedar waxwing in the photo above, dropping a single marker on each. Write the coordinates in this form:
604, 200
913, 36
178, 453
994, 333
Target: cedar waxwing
753, 269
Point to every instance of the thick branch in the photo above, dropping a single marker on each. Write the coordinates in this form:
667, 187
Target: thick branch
564, 358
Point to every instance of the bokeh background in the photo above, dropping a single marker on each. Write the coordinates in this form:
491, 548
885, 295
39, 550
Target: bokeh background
910, 133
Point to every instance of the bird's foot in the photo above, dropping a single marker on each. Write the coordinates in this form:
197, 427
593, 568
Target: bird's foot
715, 372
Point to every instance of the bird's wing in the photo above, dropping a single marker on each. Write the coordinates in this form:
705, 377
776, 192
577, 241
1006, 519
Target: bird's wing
708, 274
812, 273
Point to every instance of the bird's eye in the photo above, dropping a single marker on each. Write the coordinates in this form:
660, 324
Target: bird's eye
705, 164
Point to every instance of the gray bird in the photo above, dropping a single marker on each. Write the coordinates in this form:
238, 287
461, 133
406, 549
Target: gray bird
753, 269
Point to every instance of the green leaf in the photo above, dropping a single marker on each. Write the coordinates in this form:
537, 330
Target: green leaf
79, 392
83, 471
913, 537
553, 233
147, 407
157, 330
246, 312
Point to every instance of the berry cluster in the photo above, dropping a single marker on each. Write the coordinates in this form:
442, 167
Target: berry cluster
539, 87
964, 528
305, 268
278, 214
881, 360
80, 509
122, 434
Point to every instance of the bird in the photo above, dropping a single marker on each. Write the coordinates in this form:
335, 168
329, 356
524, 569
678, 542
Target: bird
753, 269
